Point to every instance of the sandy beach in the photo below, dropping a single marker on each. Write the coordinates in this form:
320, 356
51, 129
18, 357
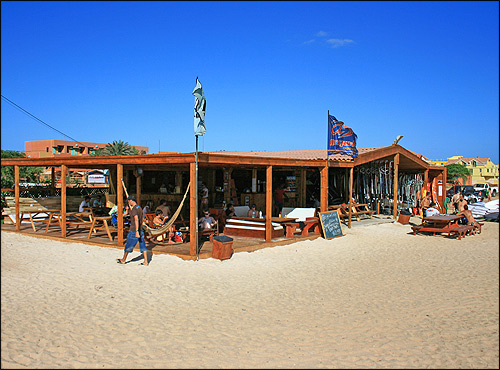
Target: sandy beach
377, 297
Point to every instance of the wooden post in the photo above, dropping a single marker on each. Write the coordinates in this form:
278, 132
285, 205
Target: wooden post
64, 174
324, 189
396, 170
119, 201
53, 181
303, 185
443, 195
178, 181
138, 188
16, 196
193, 229
254, 176
269, 203
351, 182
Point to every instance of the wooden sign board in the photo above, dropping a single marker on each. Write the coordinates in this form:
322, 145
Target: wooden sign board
330, 223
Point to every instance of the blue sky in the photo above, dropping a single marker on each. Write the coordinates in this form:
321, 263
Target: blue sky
104, 71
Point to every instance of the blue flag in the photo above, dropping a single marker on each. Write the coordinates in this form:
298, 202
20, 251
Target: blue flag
341, 139
200, 104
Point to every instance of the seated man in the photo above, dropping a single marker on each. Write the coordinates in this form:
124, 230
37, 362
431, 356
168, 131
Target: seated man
252, 212
432, 210
206, 222
230, 212
470, 219
84, 204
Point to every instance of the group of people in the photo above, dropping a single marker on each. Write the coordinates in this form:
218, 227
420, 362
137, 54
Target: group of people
457, 206
87, 203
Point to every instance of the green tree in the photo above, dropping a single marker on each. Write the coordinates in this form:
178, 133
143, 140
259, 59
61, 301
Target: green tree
119, 148
31, 174
456, 170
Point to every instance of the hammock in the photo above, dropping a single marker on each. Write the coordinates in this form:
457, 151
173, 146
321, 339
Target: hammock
164, 228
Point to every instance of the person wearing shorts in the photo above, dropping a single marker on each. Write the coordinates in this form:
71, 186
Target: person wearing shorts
136, 234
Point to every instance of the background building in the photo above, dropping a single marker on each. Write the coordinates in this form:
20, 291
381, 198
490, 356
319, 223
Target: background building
55, 148
481, 169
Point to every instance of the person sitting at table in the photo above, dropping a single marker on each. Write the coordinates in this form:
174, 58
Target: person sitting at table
84, 204
432, 210
252, 212
470, 219
207, 221
98, 207
230, 211
97, 203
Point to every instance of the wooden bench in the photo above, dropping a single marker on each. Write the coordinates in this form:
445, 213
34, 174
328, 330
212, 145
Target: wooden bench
311, 223
358, 209
431, 229
290, 229
462, 230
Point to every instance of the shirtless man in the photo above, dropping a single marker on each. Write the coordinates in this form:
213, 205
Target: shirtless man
455, 201
470, 218
426, 203
461, 204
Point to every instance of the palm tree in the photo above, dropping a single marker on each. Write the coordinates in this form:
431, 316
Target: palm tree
119, 148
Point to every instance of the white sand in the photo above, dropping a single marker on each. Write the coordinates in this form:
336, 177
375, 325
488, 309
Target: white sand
375, 298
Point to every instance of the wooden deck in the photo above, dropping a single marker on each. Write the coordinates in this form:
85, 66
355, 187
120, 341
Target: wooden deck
181, 250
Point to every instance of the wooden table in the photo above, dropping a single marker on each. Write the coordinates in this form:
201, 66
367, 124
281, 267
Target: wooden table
290, 224
100, 223
33, 216
438, 224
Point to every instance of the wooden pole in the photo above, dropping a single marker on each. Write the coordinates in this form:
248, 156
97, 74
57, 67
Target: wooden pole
53, 181
16, 196
138, 188
64, 174
119, 201
396, 185
303, 184
193, 234
269, 203
324, 189
351, 182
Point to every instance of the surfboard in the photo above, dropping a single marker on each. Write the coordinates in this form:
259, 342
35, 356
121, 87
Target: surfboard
435, 193
434, 190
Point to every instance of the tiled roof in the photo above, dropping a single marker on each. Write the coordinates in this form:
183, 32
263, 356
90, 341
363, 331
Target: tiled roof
479, 160
297, 154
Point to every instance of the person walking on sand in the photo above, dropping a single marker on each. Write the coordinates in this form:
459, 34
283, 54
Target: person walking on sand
136, 234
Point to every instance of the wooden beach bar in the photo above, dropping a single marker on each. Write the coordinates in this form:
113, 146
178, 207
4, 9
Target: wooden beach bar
241, 178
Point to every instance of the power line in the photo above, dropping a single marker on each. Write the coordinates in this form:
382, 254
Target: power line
38, 119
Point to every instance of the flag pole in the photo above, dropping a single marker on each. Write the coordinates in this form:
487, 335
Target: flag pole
327, 159
196, 191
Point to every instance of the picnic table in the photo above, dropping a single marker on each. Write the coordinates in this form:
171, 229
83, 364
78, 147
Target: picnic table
443, 224
38, 216
100, 223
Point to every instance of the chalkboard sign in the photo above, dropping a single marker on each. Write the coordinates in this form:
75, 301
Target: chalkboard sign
330, 223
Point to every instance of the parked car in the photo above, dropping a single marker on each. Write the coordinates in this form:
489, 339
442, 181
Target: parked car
469, 194
453, 190
483, 186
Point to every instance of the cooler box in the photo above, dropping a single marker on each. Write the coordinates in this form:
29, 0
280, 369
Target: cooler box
404, 217
222, 247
